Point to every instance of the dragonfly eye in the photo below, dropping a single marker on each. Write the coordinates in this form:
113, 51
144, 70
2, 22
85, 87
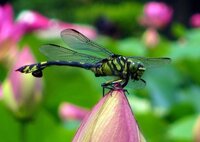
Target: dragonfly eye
133, 67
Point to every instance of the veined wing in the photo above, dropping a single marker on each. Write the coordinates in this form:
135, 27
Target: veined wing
136, 84
56, 52
77, 41
151, 62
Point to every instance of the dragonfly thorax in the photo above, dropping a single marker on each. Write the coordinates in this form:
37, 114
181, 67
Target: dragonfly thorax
136, 70
113, 66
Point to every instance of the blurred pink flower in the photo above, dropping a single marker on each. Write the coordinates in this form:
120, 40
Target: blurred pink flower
51, 27
10, 32
33, 20
57, 26
195, 20
110, 120
69, 111
84, 29
1, 92
8, 28
151, 37
22, 93
156, 14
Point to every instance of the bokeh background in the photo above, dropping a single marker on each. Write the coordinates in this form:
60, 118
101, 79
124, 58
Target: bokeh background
51, 108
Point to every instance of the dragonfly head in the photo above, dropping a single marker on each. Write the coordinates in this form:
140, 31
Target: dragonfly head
136, 70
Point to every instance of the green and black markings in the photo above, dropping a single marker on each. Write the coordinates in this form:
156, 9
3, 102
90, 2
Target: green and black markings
86, 54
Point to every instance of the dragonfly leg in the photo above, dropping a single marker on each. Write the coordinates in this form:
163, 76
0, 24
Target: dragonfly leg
125, 83
113, 84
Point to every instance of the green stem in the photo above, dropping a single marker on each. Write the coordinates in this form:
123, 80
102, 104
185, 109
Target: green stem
23, 125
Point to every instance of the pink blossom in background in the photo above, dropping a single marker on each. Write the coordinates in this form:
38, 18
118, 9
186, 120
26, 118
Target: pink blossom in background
69, 111
1, 94
10, 33
195, 20
151, 37
156, 14
33, 20
51, 27
88, 31
8, 28
30, 21
111, 120
57, 26
22, 93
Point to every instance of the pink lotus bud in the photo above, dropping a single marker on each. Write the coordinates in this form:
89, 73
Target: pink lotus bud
69, 111
197, 130
110, 120
156, 14
195, 20
151, 37
22, 93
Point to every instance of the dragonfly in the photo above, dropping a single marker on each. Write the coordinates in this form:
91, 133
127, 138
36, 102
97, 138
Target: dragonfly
84, 53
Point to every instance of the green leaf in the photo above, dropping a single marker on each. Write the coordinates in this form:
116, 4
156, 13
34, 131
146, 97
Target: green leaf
153, 128
182, 129
131, 47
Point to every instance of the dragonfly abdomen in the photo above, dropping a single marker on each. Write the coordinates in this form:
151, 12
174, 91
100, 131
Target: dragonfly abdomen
36, 69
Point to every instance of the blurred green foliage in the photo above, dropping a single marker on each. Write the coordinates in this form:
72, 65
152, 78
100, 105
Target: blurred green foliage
173, 92
88, 12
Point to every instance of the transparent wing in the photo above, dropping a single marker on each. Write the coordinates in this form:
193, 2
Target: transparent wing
56, 52
77, 41
134, 84
151, 62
